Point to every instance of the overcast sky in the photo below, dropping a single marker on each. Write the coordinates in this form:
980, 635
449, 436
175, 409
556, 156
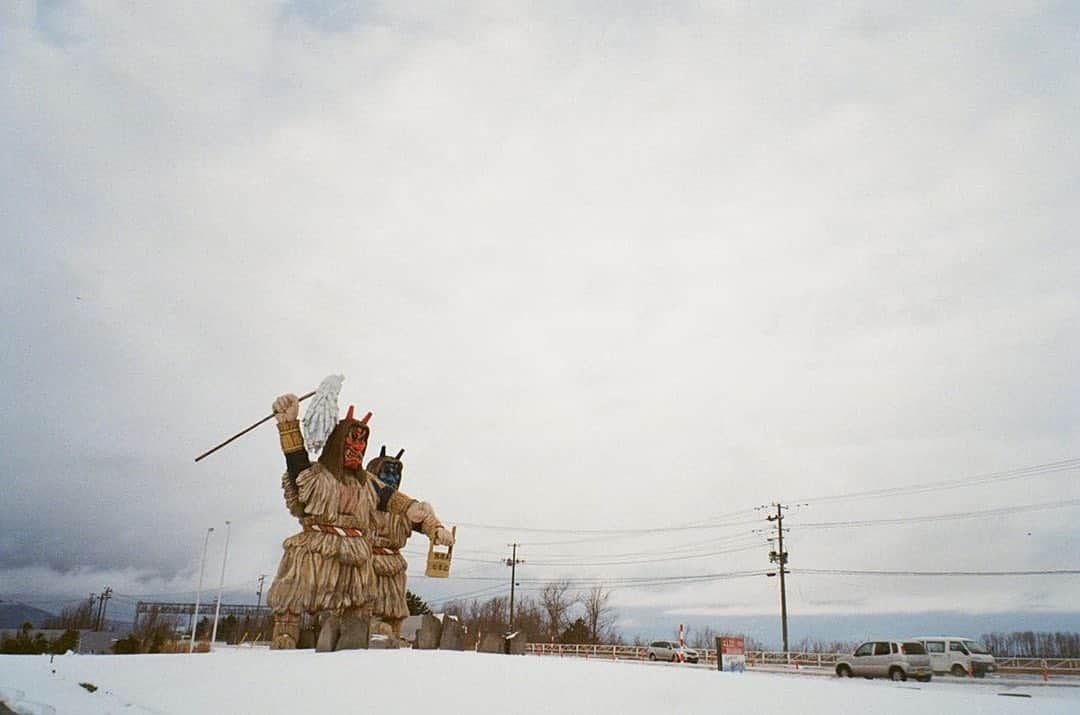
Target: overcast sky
622, 266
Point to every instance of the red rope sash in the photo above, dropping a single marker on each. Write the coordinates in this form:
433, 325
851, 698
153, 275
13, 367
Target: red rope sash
328, 529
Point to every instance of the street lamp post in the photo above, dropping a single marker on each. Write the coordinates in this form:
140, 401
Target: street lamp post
221, 583
198, 594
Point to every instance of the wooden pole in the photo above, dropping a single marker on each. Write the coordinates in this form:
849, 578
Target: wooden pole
238, 435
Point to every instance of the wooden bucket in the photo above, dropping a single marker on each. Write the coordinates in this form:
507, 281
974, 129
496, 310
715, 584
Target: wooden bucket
438, 562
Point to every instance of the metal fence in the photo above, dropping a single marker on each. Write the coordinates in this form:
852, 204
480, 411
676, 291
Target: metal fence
706, 655
1052, 666
793, 660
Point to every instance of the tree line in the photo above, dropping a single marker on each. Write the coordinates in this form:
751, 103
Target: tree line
559, 613
26, 642
1031, 644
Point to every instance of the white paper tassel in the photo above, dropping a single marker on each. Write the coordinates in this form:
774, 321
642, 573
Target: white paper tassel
321, 415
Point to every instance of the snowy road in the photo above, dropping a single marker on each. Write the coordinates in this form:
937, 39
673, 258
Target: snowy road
991, 681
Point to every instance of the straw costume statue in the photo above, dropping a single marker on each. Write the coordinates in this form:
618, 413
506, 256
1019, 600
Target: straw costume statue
327, 567
391, 533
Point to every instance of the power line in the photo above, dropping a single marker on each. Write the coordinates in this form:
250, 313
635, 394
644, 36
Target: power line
1037, 470
1000, 511
487, 590
608, 532
854, 572
629, 535
629, 580
692, 546
679, 557
720, 521
706, 578
456, 558
585, 560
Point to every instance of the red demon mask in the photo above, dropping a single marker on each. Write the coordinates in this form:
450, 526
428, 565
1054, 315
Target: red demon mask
356, 443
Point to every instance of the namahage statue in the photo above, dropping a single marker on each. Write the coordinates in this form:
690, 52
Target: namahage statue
391, 533
328, 567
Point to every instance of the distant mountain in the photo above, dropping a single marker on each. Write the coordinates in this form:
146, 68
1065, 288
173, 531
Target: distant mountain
13, 615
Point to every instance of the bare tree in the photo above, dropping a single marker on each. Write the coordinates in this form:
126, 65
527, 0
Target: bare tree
1060, 644
529, 619
753, 643
817, 645
78, 616
490, 617
705, 638
154, 630
599, 614
556, 600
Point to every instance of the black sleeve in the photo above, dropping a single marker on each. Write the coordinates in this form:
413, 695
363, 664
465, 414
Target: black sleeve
296, 462
384, 492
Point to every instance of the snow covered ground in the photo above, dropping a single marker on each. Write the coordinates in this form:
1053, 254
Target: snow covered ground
260, 681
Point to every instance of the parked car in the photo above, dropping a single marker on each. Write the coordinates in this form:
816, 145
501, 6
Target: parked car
668, 650
958, 656
898, 660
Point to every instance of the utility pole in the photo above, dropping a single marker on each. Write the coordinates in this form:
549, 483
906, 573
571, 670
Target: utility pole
262, 578
512, 562
90, 612
105, 596
97, 615
780, 557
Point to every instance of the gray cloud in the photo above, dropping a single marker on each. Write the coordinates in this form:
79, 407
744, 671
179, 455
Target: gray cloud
599, 268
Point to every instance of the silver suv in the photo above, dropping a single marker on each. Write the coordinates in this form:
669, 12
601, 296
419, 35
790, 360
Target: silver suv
898, 660
667, 650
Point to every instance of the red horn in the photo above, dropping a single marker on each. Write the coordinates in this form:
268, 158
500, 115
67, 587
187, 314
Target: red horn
366, 418
349, 415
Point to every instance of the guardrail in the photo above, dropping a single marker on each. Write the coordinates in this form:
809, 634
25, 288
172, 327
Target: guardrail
793, 660
1051, 666
705, 655
600, 651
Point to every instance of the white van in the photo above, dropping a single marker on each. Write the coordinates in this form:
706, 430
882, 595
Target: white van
958, 656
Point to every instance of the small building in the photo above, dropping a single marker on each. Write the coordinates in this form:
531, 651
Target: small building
96, 642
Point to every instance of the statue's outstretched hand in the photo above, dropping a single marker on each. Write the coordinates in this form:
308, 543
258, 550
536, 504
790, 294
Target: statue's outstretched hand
286, 408
443, 537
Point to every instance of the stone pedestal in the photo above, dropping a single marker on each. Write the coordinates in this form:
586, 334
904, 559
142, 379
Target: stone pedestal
381, 642
492, 643
453, 634
515, 643
429, 634
354, 633
329, 628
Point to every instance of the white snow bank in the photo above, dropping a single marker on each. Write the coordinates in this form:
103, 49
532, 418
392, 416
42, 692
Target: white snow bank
263, 681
